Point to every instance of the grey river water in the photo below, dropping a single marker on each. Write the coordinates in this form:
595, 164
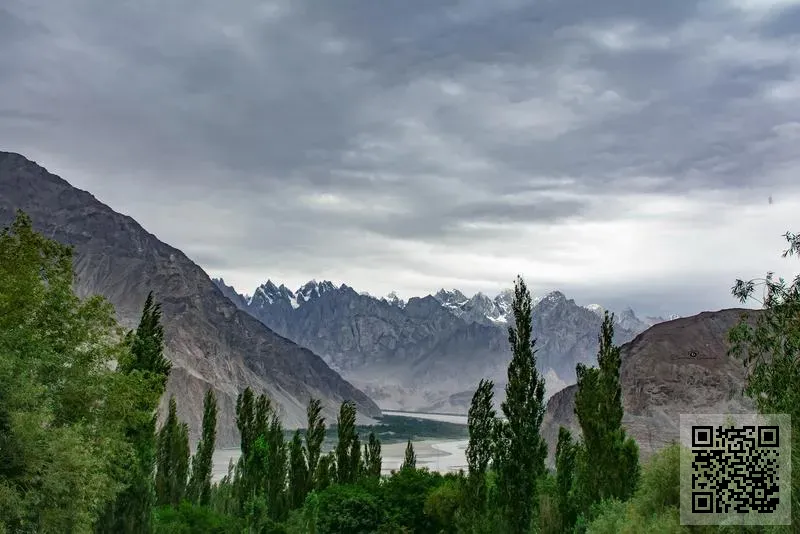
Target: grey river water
445, 455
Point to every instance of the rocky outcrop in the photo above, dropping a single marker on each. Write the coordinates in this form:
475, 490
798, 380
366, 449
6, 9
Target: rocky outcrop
211, 343
674, 367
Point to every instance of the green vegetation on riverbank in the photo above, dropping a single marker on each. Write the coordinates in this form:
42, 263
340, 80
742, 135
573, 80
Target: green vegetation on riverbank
81, 452
397, 429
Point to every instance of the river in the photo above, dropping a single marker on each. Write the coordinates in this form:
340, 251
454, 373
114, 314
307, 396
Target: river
442, 455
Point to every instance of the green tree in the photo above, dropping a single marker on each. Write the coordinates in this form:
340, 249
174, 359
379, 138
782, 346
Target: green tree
202, 462
245, 420
372, 457
770, 351
315, 436
298, 472
410, 458
520, 450
277, 470
481, 420
144, 363
566, 457
346, 430
64, 412
347, 508
172, 463
608, 460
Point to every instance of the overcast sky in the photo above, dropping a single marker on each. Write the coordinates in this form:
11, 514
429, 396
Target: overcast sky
621, 153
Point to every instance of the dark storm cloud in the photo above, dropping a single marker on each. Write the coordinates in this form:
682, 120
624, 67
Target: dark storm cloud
312, 133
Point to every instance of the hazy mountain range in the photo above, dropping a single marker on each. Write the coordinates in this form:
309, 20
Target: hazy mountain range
428, 353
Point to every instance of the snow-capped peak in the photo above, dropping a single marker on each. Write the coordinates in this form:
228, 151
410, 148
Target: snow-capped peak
312, 290
596, 309
268, 293
394, 300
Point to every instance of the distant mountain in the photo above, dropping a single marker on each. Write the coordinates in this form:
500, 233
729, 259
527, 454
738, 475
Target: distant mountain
211, 344
429, 351
674, 367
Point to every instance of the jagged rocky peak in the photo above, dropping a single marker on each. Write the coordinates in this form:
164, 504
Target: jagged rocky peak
313, 289
268, 294
453, 297
596, 309
554, 298
394, 300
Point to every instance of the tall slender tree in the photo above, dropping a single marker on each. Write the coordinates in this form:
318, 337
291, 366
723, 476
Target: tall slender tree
566, 451
372, 457
245, 419
200, 480
172, 459
481, 420
298, 472
315, 435
131, 513
346, 427
608, 459
410, 457
521, 451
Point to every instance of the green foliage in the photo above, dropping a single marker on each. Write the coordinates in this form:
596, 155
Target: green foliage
172, 463
444, 505
607, 460
245, 420
63, 411
315, 435
193, 519
770, 351
199, 488
348, 449
566, 459
410, 458
403, 497
372, 457
347, 508
298, 472
520, 451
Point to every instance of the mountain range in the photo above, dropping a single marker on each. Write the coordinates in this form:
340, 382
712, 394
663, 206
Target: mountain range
210, 342
428, 353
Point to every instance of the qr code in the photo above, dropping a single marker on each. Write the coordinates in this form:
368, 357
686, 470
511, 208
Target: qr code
735, 469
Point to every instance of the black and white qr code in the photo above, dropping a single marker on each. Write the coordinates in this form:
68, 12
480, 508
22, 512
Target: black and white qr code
735, 469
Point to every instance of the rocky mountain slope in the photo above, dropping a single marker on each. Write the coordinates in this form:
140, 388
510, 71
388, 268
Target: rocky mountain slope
210, 342
427, 353
674, 367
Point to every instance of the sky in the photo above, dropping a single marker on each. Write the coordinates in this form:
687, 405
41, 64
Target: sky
623, 152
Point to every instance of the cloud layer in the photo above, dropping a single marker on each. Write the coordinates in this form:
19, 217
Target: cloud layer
621, 151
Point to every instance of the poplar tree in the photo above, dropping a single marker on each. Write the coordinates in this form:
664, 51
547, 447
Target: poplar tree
202, 463
245, 420
372, 457
315, 436
566, 457
410, 458
608, 459
277, 470
172, 459
520, 450
298, 472
346, 428
131, 513
481, 420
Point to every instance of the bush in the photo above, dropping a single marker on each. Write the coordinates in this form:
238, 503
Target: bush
190, 519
